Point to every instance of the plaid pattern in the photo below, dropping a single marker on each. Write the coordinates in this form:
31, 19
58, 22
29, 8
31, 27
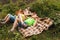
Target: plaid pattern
41, 25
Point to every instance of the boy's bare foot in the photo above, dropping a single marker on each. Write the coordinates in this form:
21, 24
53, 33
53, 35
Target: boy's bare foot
10, 31
2, 22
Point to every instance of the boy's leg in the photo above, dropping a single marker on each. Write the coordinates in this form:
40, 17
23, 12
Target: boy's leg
6, 16
6, 20
15, 24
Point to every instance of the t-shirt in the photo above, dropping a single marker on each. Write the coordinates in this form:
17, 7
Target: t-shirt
29, 21
23, 16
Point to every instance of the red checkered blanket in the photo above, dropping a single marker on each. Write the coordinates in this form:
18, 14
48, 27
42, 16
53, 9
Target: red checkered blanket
41, 25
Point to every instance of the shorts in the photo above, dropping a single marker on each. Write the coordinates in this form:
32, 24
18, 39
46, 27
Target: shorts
12, 18
21, 25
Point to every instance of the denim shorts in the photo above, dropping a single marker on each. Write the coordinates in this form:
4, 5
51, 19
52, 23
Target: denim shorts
12, 18
21, 25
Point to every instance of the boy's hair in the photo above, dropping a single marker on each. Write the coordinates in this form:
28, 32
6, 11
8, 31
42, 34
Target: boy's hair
19, 11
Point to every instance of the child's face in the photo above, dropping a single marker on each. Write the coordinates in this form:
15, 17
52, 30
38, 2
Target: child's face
34, 15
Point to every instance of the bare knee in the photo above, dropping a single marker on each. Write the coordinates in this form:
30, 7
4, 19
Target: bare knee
16, 19
8, 14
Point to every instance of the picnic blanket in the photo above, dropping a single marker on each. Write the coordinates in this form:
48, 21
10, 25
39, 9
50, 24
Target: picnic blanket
41, 25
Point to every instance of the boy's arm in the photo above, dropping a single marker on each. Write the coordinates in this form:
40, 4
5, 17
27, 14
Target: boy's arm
21, 19
35, 23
